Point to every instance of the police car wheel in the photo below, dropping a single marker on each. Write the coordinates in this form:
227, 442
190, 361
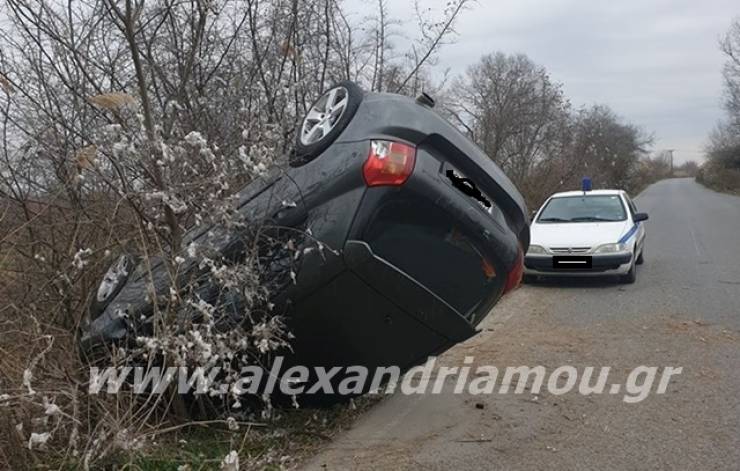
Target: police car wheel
529, 279
640, 259
631, 276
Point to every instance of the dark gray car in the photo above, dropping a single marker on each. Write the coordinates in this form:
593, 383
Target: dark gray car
426, 234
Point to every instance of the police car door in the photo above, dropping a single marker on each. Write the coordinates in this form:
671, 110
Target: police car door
640, 237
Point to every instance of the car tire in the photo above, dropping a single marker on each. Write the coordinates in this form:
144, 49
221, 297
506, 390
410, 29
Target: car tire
116, 278
631, 275
641, 259
309, 146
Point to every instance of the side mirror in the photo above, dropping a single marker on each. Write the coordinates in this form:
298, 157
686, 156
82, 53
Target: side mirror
640, 217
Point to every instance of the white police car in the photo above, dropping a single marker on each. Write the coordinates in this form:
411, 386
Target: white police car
586, 233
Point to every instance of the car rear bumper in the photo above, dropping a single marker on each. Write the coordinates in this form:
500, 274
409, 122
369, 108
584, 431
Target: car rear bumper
601, 265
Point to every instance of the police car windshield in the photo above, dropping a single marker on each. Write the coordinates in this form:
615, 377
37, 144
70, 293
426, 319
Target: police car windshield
584, 208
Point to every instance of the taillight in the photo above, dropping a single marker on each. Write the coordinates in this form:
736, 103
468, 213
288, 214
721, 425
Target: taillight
514, 279
389, 163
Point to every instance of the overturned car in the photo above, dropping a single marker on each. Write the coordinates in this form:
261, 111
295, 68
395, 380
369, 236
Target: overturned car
424, 235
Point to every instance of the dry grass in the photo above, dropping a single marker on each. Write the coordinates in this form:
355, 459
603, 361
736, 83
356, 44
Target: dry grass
104, 432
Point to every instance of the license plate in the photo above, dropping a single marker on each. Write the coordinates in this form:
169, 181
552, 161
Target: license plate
571, 262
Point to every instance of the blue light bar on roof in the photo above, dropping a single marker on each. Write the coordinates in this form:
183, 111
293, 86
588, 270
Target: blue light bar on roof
586, 184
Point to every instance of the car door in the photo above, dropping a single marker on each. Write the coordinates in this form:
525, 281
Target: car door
640, 237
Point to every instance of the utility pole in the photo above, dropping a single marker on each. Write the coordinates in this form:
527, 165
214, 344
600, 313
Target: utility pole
670, 152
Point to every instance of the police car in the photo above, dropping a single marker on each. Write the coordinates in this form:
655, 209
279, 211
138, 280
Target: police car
586, 233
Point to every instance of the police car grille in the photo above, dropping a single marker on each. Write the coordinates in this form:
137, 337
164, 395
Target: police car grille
570, 250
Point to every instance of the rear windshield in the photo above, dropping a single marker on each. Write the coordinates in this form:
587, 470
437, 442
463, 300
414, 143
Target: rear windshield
424, 242
587, 208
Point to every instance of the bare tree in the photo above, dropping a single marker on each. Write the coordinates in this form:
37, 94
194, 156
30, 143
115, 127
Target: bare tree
606, 148
404, 70
722, 169
730, 45
521, 118
512, 109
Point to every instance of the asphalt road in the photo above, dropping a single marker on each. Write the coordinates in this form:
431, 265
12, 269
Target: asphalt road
683, 311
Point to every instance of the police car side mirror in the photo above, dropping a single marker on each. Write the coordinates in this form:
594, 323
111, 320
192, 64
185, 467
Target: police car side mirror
640, 217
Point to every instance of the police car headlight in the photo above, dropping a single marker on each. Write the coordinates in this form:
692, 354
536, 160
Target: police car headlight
536, 250
610, 248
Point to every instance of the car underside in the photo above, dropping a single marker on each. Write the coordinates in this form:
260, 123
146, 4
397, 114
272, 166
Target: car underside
401, 257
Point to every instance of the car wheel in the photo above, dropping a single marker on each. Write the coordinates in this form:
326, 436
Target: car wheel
640, 259
325, 120
631, 276
113, 281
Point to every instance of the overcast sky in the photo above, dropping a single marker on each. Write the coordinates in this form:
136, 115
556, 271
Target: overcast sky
655, 62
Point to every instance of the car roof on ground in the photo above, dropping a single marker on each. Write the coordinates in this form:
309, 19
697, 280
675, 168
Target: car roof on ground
592, 192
